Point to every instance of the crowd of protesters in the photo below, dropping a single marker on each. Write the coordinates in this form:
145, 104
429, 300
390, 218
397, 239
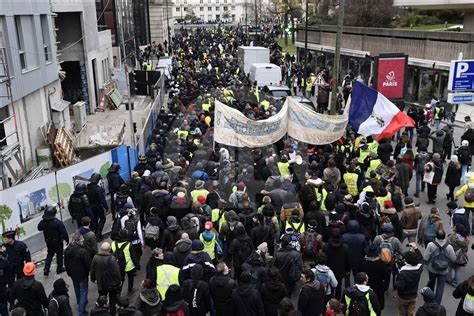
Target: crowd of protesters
289, 229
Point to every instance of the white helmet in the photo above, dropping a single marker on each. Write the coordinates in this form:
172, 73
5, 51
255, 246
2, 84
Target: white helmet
465, 143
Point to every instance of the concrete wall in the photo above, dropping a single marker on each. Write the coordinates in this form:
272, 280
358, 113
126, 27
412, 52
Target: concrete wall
158, 25
437, 46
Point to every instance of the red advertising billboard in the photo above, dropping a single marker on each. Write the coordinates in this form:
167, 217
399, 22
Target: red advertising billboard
390, 75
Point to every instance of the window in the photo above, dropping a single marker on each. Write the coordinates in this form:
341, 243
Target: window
209, 8
233, 7
177, 9
46, 38
217, 8
20, 42
201, 9
201, 1
185, 9
225, 1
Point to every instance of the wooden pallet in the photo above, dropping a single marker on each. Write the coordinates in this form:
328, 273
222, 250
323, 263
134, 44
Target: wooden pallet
64, 147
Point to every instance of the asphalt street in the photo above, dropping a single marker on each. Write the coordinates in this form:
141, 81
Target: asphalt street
391, 305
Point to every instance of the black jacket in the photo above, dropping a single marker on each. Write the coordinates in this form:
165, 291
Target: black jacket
64, 308
196, 292
221, 287
284, 259
247, 301
77, 262
149, 302
29, 294
408, 280
4, 272
100, 263
311, 300
272, 291
338, 257
181, 250
431, 309
460, 293
356, 243
98, 311
356, 291
378, 278
54, 231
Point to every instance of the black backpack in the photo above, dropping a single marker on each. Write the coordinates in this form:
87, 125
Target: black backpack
53, 306
330, 201
131, 225
245, 248
359, 306
116, 227
120, 255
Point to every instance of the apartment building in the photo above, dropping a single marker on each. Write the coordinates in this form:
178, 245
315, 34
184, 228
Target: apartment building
214, 10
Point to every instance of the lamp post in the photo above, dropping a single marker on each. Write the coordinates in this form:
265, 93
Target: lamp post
305, 39
337, 56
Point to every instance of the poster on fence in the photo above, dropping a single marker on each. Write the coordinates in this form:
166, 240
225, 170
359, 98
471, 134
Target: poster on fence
232, 128
313, 128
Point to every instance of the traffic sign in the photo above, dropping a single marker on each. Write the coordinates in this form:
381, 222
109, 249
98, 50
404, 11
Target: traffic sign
461, 75
457, 98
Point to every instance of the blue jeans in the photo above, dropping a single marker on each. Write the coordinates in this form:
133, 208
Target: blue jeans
440, 280
453, 279
437, 124
81, 288
464, 169
420, 185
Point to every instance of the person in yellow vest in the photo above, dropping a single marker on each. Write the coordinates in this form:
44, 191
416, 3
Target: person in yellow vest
198, 190
207, 105
313, 79
265, 104
129, 259
257, 92
361, 290
372, 144
217, 217
211, 242
372, 164
362, 154
295, 223
357, 141
383, 196
283, 165
352, 180
309, 86
166, 274
467, 191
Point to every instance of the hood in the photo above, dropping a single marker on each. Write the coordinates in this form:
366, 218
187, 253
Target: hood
28, 282
84, 230
245, 291
255, 259
335, 242
174, 306
240, 232
430, 308
353, 227
460, 211
183, 245
221, 280
197, 272
357, 290
315, 286
231, 216
207, 235
321, 268
287, 185
172, 223
150, 297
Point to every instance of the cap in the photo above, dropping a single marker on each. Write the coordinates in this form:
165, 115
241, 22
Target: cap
408, 201
199, 184
29, 269
9, 234
146, 173
427, 294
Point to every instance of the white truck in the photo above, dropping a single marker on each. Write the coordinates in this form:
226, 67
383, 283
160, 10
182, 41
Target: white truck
249, 55
265, 74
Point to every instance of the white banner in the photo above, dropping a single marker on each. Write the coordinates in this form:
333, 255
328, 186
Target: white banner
232, 128
313, 128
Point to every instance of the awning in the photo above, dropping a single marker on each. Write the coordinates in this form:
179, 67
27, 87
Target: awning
60, 106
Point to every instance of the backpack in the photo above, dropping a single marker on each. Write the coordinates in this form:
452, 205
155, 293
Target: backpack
469, 195
312, 243
268, 221
430, 231
439, 259
120, 255
359, 306
131, 227
108, 279
53, 307
176, 313
294, 271
116, 226
245, 248
386, 250
468, 304
323, 279
330, 201
403, 151
296, 229
120, 201
152, 232
461, 258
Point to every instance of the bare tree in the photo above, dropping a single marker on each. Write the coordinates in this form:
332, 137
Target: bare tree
369, 13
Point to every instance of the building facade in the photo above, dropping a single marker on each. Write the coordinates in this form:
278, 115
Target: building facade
161, 20
214, 10
28, 64
85, 54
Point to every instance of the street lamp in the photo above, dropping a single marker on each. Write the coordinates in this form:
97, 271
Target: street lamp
337, 56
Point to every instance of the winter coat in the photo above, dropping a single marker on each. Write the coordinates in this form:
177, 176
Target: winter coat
199, 257
438, 140
175, 307
410, 217
453, 175
90, 241
403, 174
384, 151
461, 216
377, 272
77, 262
460, 293
356, 243
238, 249
100, 263
424, 223
311, 299
221, 287
431, 309
64, 308
149, 302
361, 290
181, 250
247, 301
408, 280
196, 292
338, 257
437, 167
29, 294
171, 235
99, 311
272, 292
256, 266
283, 260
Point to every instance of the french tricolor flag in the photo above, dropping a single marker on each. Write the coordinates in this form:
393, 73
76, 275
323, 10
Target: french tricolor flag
372, 114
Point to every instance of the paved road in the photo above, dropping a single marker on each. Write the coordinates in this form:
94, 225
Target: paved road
391, 306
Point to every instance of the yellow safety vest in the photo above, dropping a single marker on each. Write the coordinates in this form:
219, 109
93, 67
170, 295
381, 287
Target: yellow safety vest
283, 167
237, 71
298, 227
148, 67
321, 198
196, 193
265, 105
209, 246
363, 153
367, 296
166, 275
368, 188
351, 181
373, 146
437, 113
129, 266
257, 94
309, 85
373, 165
206, 106
183, 133
382, 199
215, 213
